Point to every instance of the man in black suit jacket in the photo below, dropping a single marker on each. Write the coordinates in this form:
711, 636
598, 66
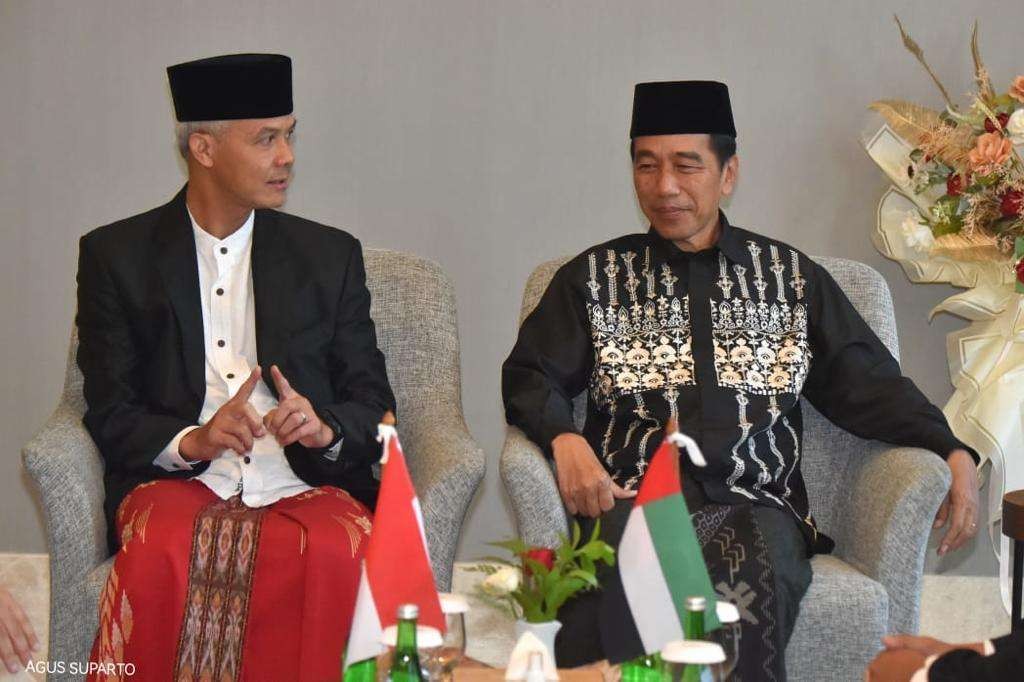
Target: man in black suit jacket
236, 496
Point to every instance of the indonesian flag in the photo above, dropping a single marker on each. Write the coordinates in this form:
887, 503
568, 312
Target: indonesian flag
396, 567
660, 563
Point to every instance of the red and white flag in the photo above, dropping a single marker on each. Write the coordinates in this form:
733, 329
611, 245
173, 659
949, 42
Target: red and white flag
396, 567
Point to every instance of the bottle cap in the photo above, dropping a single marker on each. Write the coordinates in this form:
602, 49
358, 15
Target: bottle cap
727, 613
696, 603
408, 611
693, 651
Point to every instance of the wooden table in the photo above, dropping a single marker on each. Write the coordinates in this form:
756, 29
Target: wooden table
475, 671
1013, 528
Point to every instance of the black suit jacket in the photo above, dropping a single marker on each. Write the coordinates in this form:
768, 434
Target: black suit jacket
141, 348
1007, 663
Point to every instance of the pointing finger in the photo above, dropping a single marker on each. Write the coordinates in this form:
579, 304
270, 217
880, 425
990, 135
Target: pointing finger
284, 389
246, 389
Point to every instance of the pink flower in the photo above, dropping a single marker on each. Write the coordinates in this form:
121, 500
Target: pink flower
1017, 89
1020, 271
991, 151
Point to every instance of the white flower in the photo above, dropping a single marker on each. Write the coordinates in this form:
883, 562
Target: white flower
917, 236
502, 582
1015, 127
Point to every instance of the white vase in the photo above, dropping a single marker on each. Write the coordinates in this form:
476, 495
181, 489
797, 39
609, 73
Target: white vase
545, 632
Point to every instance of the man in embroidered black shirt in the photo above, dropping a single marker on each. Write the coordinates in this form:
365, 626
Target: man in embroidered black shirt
722, 330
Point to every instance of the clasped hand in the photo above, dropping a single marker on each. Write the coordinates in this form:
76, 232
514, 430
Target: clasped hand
584, 484
237, 424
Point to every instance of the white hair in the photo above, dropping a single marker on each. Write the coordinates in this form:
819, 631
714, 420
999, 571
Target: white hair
184, 130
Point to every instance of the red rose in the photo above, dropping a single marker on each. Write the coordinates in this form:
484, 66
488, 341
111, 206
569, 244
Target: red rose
955, 184
1003, 119
1020, 271
1012, 203
542, 555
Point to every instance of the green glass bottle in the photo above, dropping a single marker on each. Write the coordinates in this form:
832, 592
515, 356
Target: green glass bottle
405, 662
693, 629
363, 671
693, 624
646, 668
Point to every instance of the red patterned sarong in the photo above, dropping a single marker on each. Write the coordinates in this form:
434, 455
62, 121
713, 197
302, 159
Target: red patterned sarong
209, 589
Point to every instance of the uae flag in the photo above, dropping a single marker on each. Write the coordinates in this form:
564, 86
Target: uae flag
660, 564
396, 567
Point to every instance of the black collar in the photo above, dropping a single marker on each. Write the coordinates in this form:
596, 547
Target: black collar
730, 242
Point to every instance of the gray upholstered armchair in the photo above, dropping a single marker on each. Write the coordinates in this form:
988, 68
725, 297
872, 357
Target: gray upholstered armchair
414, 309
877, 502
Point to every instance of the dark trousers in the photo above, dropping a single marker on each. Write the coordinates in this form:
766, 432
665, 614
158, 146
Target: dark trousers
579, 640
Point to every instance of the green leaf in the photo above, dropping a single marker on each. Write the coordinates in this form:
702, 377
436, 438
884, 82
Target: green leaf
561, 594
515, 545
951, 226
585, 576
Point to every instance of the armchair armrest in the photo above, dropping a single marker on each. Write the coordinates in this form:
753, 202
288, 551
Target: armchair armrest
446, 466
66, 468
530, 482
887, 519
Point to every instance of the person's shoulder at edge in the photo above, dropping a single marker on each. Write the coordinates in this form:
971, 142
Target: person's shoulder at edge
126, 230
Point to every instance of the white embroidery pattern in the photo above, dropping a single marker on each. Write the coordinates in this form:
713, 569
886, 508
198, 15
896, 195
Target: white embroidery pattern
741, 277
798, 281
759, 348
592, 283
640, 348
668, 279
775, 412
778, 268
724, 282
796, 453
739, 466
759, 282
631, 281
611, 269
648, 274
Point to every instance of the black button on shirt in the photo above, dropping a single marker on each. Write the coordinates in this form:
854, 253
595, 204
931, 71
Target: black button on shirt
725, 341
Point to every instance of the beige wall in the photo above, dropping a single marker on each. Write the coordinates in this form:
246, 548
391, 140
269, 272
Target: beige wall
485, 135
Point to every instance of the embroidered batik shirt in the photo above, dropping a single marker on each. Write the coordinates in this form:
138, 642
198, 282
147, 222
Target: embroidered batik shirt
724, 341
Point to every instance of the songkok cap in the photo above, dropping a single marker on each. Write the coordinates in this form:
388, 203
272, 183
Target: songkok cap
231, 87
680, 107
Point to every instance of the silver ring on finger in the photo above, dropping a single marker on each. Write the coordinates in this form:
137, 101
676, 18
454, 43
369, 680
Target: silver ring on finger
305, 417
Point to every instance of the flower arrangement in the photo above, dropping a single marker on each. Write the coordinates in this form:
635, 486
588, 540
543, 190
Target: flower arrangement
538, 580
966, 165
954, 215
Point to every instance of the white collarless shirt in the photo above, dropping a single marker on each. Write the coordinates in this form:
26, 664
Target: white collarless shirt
262, 476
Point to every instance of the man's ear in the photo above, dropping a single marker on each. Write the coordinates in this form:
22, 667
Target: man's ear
730, 175
201, 146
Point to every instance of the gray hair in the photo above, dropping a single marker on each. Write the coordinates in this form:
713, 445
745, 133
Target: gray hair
184, 130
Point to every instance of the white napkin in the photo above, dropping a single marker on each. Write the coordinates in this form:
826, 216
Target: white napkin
520, 658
